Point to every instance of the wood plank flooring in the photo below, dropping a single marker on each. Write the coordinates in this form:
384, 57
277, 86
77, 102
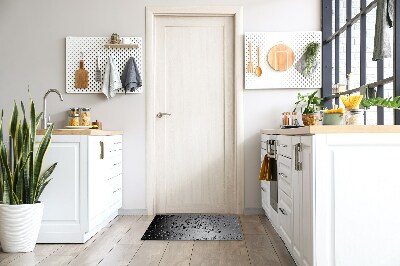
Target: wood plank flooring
119, 244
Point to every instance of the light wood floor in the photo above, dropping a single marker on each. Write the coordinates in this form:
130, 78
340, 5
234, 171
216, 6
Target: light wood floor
119, 244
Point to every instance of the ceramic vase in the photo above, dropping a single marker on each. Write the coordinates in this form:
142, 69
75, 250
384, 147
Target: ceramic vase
19, 226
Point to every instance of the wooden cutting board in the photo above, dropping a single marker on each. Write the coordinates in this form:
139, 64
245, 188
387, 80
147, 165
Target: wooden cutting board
280, 57
81, 77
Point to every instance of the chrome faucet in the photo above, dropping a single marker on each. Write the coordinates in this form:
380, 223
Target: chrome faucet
44, 120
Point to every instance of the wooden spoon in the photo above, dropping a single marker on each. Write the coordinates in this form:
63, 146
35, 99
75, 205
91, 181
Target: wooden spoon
258, 69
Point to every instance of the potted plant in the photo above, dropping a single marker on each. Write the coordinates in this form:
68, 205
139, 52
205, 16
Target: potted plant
309, 104
311, 56
22, 181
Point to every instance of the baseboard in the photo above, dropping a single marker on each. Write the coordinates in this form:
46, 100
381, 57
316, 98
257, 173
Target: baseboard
253, 211
132, 211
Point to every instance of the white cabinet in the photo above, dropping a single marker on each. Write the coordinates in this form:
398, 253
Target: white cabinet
86, 188
303, 200
342, 193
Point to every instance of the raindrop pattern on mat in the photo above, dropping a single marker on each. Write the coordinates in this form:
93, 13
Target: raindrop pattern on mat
271, 79
91, 47
194, 227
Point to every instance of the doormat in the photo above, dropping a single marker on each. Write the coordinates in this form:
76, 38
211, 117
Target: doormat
194, 227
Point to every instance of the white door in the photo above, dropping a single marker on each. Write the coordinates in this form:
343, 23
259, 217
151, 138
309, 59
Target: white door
194, 82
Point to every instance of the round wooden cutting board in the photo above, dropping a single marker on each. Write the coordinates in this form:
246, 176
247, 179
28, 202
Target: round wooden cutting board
280, 57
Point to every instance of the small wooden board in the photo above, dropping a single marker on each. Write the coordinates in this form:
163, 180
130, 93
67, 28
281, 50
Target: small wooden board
280, 57
81, 78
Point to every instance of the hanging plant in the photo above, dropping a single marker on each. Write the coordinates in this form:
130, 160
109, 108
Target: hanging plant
311, 56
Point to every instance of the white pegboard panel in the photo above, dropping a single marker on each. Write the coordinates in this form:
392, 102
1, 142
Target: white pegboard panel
91, 46
291, 78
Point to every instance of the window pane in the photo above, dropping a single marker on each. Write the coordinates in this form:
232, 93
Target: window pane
371, 65
355, 54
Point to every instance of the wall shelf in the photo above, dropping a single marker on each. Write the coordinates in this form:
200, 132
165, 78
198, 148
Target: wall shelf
135, 46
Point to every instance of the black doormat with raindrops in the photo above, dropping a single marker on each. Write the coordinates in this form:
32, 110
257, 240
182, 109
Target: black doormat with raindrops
194, 227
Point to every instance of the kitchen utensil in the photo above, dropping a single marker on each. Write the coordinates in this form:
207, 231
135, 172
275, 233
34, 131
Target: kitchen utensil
98, 72
81, 76
280, 57
250, 67
258, 69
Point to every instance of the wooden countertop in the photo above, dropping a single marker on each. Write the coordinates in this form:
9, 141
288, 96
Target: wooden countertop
311, 130
88, 132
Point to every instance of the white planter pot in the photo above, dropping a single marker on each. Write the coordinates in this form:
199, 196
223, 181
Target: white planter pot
19, 226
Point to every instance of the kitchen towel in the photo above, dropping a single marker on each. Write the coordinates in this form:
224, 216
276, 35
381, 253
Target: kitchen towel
384, 21
265, 171
130, 78
112, 81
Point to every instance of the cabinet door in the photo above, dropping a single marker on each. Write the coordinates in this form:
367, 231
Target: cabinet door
64, 219
297, 203
307, 201
303, 202
98, 197
285, 218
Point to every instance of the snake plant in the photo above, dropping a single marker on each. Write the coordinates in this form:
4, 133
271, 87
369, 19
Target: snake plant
21, 178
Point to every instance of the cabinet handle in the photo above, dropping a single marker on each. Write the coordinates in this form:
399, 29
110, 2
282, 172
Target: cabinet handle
101, 150
282, 145
297, 164
283, 175
283, 211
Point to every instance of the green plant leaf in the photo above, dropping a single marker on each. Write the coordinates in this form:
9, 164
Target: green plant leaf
42, 148
44, 179
8, 196
42, 187
14, 121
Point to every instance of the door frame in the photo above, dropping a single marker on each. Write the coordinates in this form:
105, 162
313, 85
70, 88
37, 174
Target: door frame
237, 14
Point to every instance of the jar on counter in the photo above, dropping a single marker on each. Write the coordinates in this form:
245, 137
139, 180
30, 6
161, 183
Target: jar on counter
85, 117
73, 120
74, 111
355, 117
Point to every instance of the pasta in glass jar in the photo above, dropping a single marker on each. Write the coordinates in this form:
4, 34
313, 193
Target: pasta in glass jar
85, 117
73, 120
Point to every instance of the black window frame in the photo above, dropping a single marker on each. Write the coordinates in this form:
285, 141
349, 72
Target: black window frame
328, 37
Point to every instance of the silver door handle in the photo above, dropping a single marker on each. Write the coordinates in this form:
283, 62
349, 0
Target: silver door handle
159, 115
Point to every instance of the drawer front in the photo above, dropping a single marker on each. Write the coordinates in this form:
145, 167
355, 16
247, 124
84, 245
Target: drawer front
113, 146
285, 146
264, 137
285, 218
265, 193
285, 175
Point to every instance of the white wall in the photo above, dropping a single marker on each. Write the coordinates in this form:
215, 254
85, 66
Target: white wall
32, 51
